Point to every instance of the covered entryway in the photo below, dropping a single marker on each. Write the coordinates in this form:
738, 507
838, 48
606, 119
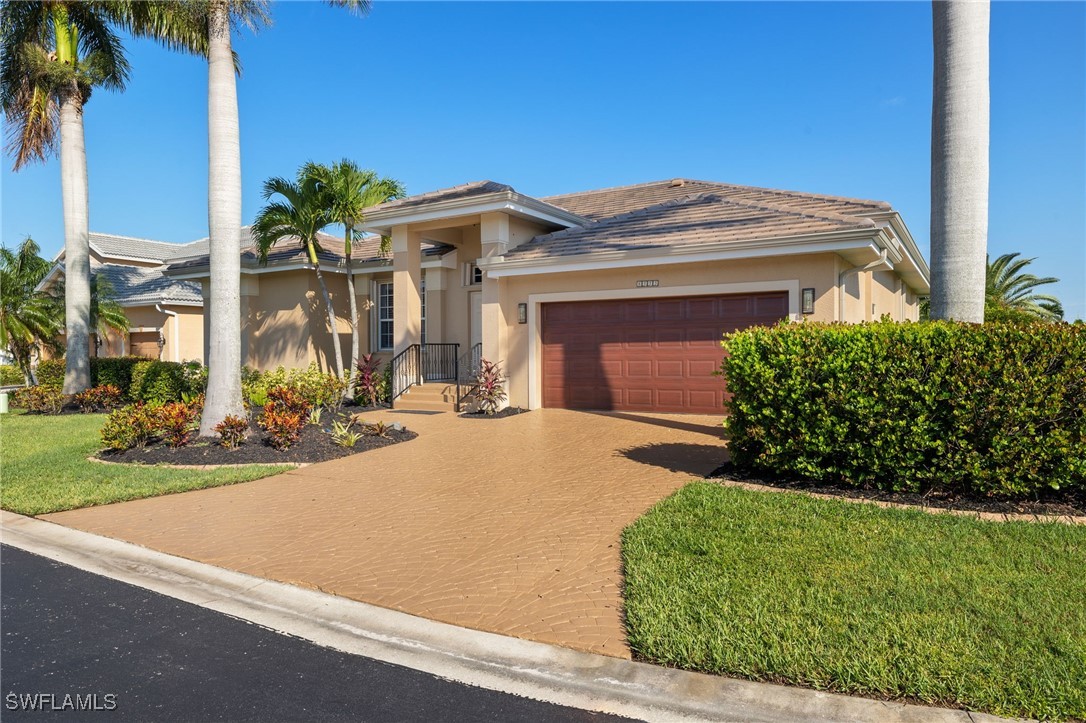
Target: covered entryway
645, 355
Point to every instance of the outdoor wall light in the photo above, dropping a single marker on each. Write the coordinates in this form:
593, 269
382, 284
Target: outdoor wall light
522, 313
807, 303
161, 342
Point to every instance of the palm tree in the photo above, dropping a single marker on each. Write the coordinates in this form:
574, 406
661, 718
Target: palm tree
349, 190
54, 55
1011, 290
29, 319
959, 159
299, 217
106, 314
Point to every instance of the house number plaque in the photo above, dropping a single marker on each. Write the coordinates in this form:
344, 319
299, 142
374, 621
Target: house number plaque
648, 283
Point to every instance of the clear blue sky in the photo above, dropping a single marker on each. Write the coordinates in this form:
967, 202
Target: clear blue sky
557, 97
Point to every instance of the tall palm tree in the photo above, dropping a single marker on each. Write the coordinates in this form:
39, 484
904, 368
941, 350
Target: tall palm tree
106, 314
959, 159
349, 190
29, 319
299, 217
54, 54
1009, 288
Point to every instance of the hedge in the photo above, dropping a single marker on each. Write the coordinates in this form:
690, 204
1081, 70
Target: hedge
990, 410
10, 375
157, 382
140, 379
50, 372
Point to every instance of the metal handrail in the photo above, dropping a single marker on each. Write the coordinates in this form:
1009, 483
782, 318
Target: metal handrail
440, 362
406, 372
468, 373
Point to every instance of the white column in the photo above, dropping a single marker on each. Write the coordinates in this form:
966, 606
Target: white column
494, 237
406, 299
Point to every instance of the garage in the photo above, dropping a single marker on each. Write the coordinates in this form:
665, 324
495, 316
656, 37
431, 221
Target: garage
145, 344
645, 355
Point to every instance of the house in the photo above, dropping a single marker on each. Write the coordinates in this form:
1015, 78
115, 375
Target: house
608, 299
166, 318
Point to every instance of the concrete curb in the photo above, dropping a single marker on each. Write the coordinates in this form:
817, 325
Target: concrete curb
201, 467
488, 660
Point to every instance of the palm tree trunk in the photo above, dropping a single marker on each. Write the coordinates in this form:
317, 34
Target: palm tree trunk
354, 314
77, 295
224, 222
337, 354
959, 159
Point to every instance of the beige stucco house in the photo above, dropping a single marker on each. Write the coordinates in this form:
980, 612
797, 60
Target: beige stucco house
166, 316
607, 299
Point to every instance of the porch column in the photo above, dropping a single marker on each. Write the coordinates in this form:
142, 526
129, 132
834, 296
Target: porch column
494, 238
435, 302
406, 300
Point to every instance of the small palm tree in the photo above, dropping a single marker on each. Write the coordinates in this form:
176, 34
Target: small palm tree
349, 191
299, 217
29, 319
1009, 289
106, 314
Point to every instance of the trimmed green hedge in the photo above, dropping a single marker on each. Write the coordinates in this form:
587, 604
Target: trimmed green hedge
157, 382
114, 370
994, 409
50, 372
138, 378
10, 375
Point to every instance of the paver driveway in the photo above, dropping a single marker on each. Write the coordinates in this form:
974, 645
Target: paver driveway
508, 525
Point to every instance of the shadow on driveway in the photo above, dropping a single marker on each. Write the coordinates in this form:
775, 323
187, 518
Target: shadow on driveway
693, 459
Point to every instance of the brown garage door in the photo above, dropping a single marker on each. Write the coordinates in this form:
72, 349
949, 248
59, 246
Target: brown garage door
145, 344
650, 355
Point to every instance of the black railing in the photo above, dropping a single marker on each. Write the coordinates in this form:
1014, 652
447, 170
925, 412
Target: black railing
406, 370
440, 362
467, 379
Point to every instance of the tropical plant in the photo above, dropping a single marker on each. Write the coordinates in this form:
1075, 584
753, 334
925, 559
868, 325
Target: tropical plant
490, 387
105, 397
1009, 288
282, 425
348, 191
299, 218
41, 399
343, 435
368, 381
30, 320
106, 314
176, 421
232, 431
131, 426
959, 159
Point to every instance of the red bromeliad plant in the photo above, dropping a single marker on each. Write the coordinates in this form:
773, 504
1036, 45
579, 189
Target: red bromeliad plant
491, 386
367, 378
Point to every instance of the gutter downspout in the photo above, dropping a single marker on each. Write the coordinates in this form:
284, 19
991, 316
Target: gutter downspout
177, 331
878, 264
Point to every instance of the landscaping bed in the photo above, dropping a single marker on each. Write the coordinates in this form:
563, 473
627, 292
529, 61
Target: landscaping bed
315, 444
887, 603
1049, 503
45, 467
507, 412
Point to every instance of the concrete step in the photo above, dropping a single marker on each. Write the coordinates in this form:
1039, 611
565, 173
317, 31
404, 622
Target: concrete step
431, 396
418, 405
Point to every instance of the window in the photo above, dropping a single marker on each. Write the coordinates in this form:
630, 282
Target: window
385, 333
473, 275
422, 295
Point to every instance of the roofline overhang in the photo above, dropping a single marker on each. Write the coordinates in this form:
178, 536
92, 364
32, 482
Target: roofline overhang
859, 242
129, 303
203, 271
382, 221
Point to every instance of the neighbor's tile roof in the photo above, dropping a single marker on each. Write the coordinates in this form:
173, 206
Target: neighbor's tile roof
690, 220
135, 285
138, 248
608, 202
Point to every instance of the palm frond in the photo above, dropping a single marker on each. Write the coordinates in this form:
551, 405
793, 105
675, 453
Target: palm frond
1008, 286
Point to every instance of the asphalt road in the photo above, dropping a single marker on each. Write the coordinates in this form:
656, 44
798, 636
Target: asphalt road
136, 655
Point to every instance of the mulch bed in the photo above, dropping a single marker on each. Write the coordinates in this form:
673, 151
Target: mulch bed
1055, 503
314, 445
507, 412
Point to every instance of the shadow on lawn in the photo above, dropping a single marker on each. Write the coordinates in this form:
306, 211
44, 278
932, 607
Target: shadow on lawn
693, 459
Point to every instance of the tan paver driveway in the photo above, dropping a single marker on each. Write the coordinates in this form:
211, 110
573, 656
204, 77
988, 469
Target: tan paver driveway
509, 525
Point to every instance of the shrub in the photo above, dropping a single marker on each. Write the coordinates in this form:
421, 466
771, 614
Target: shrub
115, 371
100, 398
176, 421
40, 399
491, 387
992, 409
282, 425
288, 399
193, 378
371, 385
157, 382
315, 386
132, 426
343, 435
10, 376
50, 372
232, 431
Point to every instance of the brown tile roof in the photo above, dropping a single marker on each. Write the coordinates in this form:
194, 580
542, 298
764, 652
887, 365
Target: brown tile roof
690, 220
606, 202
465, 190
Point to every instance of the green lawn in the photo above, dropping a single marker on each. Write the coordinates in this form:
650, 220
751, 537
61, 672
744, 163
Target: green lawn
854, 598
44, 467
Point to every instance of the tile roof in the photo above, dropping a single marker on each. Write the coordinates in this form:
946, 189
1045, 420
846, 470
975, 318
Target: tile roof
465, 190
607, 202
110, 244
690, 220
136, 285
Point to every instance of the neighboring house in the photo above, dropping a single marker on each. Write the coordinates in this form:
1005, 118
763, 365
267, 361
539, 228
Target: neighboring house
166, 316
608, 299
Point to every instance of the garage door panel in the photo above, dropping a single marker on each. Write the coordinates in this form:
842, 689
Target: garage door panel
645, 354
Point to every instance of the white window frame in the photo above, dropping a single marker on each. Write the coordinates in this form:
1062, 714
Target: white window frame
380, 307
471, 271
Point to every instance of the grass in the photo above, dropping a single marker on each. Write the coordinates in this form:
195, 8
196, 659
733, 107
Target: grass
858, 599
44, 467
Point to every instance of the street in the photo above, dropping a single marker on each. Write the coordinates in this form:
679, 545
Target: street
89, 646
